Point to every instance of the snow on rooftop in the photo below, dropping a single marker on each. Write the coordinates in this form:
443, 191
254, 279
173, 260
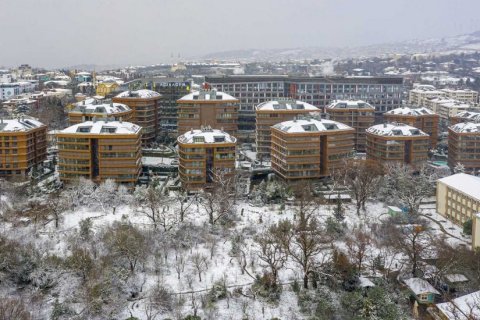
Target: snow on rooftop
285, 105
406, 111
103, 127
208, 95
350, 104
142, 94
474, 116
465, 183
22, 124
104, 108
206, 135
462, 308
466, 127
310, 125
419, 286
456, 277
395, 129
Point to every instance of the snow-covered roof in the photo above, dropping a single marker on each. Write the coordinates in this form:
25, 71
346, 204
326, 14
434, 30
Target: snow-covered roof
365, 282
350, 104
406, 111
419, 286
465, 183
208, 95
285, 105
474, 116
103, 127
310, 125
462, 308
206, 135
456, 277
22, 124
466, 127
395, 130
142, 94
104, 108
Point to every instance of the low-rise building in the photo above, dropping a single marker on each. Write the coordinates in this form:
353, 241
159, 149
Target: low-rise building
466, 307
310, 148
421, 118
106, 88
23, 146
420, 94
87, 110
203, 154
464, 146
397, 142
272, 112
100, 150
423, 291
211, 108
355, 113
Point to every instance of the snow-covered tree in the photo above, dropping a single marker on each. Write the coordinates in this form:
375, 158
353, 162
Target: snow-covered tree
151, 202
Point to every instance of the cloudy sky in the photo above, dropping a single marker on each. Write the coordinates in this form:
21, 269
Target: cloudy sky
51, 33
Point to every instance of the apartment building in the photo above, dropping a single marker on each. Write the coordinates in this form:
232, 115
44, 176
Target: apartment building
420, 118
310, 148
384, 93
145, 105
397, 142
211, 108
357, 114
86, 110
462, 95
418, 95
23, 146
272, 112
464, 146
465, 116
100, 150
203, 154
446, 108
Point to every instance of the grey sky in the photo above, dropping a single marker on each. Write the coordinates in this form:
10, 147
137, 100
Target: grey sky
67, 32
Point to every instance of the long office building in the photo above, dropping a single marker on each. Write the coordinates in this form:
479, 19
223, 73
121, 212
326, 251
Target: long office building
384, 93
23, 146
100, 150
203, 155
86, 110
146, 111
397, 143
310, 148
421, 118
211, 108
272, 112
464, 146
357, 114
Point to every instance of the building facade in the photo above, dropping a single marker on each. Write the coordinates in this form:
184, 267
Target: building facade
211, 108
397, 143
310, 148
86, 110
420, 118
384, 93
462, 95
272, 112
100, 150
419, 95
23, 146
355, 113
464, 146
203, 154
146, 111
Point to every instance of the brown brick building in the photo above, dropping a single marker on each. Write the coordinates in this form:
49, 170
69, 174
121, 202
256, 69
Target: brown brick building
212, 108
355, 113
464, 146
87, 111
465, 116
310, 148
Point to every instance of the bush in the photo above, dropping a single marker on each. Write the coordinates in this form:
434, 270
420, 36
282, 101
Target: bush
218, 292
467, 227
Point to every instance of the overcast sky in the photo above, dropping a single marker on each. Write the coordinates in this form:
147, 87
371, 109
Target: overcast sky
50, 33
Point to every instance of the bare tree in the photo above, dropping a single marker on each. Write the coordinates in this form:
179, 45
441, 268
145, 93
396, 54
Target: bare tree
56, 205
359, 245
179, 263
218, 198
151, 201
200, 263
13, 309
184, 202
361, 177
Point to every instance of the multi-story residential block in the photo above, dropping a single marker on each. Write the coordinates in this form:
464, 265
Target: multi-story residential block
23, 146
205, 155
272, 112
85, 111
465, 116
212, 108
397, 142
384, 93
100, 150
464, 146
310, 148
446, 108
462, 95
421, 118
146, 111
420, 94
355, 113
